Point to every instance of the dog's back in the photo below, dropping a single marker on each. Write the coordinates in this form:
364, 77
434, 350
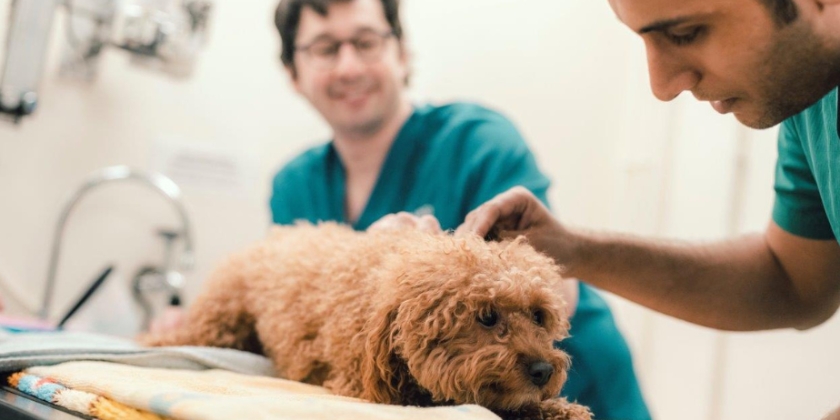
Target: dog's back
280, 296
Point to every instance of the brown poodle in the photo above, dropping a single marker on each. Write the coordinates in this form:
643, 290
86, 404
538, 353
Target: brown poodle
395, 316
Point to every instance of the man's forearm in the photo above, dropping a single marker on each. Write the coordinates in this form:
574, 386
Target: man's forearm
733, 285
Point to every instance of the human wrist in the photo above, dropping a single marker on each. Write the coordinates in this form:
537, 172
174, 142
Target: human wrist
571, 248
560, 243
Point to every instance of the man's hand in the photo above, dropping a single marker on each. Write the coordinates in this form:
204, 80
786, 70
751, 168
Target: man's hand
518, 212
404, 220
515, 210
835, 415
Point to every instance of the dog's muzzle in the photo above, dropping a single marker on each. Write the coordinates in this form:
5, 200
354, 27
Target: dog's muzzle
540, 373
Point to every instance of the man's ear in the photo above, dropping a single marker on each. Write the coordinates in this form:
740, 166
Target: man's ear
292, 73
406, 57
405, 52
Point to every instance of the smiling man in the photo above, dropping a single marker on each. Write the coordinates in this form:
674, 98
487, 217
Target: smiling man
767, 62
386, 155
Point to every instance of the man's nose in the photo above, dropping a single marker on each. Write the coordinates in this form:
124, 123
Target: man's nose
348, 62
669, 74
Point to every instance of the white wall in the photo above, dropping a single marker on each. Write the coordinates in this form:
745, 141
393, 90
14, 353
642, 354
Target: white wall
570, 76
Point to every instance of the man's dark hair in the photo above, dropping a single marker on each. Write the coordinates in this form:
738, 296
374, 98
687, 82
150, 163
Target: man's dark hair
287, 18
783, 11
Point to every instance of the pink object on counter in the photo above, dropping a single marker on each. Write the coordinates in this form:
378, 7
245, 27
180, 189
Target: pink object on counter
25, 324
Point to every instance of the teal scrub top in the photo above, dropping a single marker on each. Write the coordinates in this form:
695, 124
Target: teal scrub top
808, 172
445, 161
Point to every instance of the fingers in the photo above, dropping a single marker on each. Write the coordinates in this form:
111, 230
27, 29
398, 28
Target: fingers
481, 220
404, 220
506, 211
429, 223
391, 221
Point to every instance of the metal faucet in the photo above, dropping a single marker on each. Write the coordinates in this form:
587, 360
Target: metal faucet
156, 181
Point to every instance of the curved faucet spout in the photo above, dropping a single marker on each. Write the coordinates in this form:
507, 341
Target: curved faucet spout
158, 182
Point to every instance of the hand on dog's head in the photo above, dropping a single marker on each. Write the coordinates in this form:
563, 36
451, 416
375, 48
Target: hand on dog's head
467, 321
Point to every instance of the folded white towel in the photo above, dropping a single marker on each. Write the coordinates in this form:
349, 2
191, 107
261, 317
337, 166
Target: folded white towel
22, 350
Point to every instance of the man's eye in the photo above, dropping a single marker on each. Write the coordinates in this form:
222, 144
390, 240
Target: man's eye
685, 37
365, 44
324, 49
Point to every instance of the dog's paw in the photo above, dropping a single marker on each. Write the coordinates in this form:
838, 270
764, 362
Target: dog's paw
553, 409
561, 409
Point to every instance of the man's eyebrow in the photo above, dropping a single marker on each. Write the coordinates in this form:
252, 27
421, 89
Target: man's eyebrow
320, 37
663, 25
324, 36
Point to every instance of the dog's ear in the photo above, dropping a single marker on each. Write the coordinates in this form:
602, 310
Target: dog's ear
379, 376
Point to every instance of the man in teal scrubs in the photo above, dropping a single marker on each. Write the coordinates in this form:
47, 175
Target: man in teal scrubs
767, 62
348, 60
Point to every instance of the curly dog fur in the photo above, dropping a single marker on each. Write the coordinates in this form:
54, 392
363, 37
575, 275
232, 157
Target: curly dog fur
397, 317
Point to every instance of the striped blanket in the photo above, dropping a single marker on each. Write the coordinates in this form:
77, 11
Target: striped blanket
79, 401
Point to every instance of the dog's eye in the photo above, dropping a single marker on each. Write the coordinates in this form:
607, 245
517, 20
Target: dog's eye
489, 319
539, 317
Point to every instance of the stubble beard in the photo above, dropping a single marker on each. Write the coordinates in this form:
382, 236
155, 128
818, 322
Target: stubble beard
798, 71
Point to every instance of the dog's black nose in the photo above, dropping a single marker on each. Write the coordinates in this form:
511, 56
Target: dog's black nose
540, 373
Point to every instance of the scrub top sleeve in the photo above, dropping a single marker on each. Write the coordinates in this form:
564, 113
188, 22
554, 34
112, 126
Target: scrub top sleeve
798, 208
502, 160
281, 200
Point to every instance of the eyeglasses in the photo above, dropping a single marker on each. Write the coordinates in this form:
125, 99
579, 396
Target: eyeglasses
369, 46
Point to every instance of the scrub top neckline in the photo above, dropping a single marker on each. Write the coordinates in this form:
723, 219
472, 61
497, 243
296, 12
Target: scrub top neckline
384, 191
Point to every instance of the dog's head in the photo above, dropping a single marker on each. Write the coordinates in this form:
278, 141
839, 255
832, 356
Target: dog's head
467, 321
